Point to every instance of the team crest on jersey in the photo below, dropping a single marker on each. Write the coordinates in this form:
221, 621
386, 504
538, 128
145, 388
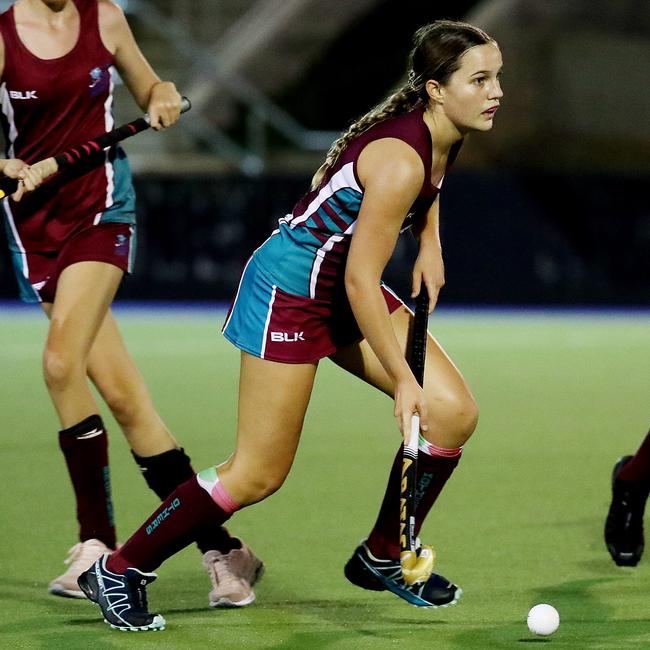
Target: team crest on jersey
98, 81
121, 245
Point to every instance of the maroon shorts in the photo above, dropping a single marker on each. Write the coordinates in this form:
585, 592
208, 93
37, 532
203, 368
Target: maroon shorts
270, 323
38, 273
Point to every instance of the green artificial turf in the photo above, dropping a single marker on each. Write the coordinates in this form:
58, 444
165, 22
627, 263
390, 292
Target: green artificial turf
520, 523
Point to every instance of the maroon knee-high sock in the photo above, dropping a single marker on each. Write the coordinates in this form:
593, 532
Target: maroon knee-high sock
168, 470
432, 474
637, 469
173, 526
85, 447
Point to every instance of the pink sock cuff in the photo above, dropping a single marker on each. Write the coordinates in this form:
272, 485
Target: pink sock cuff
221, 497
430, 449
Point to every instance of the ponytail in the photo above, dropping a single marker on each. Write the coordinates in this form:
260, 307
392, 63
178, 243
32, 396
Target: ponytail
401, 101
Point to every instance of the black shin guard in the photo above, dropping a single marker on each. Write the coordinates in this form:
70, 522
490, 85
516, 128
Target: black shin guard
165, 472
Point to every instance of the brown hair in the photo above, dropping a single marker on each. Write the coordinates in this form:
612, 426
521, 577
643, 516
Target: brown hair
436, 52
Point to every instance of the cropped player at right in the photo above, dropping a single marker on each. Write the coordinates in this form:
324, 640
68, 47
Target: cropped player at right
624, 523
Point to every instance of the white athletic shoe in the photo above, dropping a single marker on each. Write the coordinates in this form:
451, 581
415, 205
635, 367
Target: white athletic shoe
233, 575
80, 557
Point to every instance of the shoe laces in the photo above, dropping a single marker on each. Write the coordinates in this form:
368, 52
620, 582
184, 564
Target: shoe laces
221, 573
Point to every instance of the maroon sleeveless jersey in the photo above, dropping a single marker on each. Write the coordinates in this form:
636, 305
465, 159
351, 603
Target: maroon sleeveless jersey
306, 255
48, 106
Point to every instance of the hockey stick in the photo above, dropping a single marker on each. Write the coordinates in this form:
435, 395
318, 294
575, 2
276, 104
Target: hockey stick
415, 567
49, 166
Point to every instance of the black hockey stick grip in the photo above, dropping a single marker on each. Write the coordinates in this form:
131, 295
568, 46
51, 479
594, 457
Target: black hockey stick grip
83, 151
419, 337
71, 156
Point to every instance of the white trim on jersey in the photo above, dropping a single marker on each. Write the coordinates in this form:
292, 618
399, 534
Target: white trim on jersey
320, 256
108, 166
343, 179
268, 321
132, 246
8, 111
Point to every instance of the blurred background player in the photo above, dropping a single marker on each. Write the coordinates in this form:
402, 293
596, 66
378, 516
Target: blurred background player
624, 523
71, 243
313, 290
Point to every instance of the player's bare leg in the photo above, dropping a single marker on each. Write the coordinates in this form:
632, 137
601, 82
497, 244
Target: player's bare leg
233, 568
84, 293
121, 385
452, 419
453, 413
269, 424
273, 400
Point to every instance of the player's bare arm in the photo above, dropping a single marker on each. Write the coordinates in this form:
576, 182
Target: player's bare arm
429, 267
392, 175
158, 98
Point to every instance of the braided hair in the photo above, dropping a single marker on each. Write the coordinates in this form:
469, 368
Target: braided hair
435, 54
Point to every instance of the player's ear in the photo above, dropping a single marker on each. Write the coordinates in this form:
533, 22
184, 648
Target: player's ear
434, 91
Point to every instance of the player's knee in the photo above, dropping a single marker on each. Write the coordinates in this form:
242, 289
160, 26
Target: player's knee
251, 487
454, 418
467, 418
264, 486
58, 368
250, 480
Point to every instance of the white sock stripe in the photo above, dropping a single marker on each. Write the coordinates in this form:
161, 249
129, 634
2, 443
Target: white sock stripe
206, 485
430, 449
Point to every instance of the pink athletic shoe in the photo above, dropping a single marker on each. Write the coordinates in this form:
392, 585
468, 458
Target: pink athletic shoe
80, 557
233, 575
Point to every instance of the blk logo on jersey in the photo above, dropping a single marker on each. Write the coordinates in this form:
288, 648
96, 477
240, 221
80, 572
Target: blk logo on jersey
98, 81
286, 337
23, 94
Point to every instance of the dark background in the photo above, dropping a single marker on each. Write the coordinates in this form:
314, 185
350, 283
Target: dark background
546, 219
503, 241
